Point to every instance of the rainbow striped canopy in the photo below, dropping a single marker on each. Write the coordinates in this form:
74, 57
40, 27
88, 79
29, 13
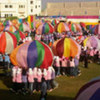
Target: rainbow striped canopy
90, 91
24, 27
91, 41
54, 22
62, 27
30, 20
1, 27
7, 42
97, 29
10, 28
19, 35
45, 28
75, 27
91, 28
32, 54
66, 47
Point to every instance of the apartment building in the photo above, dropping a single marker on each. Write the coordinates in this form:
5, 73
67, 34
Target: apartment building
19, 8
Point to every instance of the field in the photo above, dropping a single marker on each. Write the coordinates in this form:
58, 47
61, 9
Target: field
68, 87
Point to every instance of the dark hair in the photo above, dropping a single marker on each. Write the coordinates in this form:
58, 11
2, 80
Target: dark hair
24, 71
43, 79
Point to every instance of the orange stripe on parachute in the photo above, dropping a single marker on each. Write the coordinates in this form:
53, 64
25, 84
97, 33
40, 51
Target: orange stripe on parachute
13, 55
73, 48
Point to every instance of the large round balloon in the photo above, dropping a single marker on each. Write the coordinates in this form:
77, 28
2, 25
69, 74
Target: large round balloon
7, 42
97, 29
24, 27
32, 54
75, 27
19, 35
10, 28
66, 47
90, 91
92, 41
62, 27
45, 28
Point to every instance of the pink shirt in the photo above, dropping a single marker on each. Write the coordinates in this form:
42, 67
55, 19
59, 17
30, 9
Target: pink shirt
49, 72
14, 73
64, 63
19, 78
58, 62
30, 78
72, 64
39, 77
92, 53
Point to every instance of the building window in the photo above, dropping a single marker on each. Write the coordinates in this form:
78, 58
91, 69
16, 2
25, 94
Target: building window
6, 6
6, 15
39, 6
11, 15
31, 2
35, 6
10, 6
21, 6
31, 10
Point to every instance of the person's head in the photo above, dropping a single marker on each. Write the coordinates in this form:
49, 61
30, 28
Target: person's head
30, 71
43, 79
24, 71
71, 58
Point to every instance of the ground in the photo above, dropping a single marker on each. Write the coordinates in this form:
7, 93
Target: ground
68, 87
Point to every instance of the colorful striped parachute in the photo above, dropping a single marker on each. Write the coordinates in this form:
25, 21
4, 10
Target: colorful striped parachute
37, 23
7, 23
1, 27
19, 35
45, 28
66, 47
24, 27
90, 91
62, 27
91, 28
7, 42
92, 41
32, 54
75, 27
10, 28
97, 29
54, 22
30, 20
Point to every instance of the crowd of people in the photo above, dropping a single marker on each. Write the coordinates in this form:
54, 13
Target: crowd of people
31, 80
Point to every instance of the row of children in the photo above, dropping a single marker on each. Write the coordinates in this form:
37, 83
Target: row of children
30, 80
92, 54
66, 66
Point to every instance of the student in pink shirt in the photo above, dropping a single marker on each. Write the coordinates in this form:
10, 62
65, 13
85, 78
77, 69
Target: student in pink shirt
39, 77
30, 80
53, 83
91, 54
63, 65
19, 79
14, 78
49, 73
45, 74
72, 67
57, 66
35, 86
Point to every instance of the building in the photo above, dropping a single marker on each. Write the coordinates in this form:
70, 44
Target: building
72, 8
45, 2
19, 8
